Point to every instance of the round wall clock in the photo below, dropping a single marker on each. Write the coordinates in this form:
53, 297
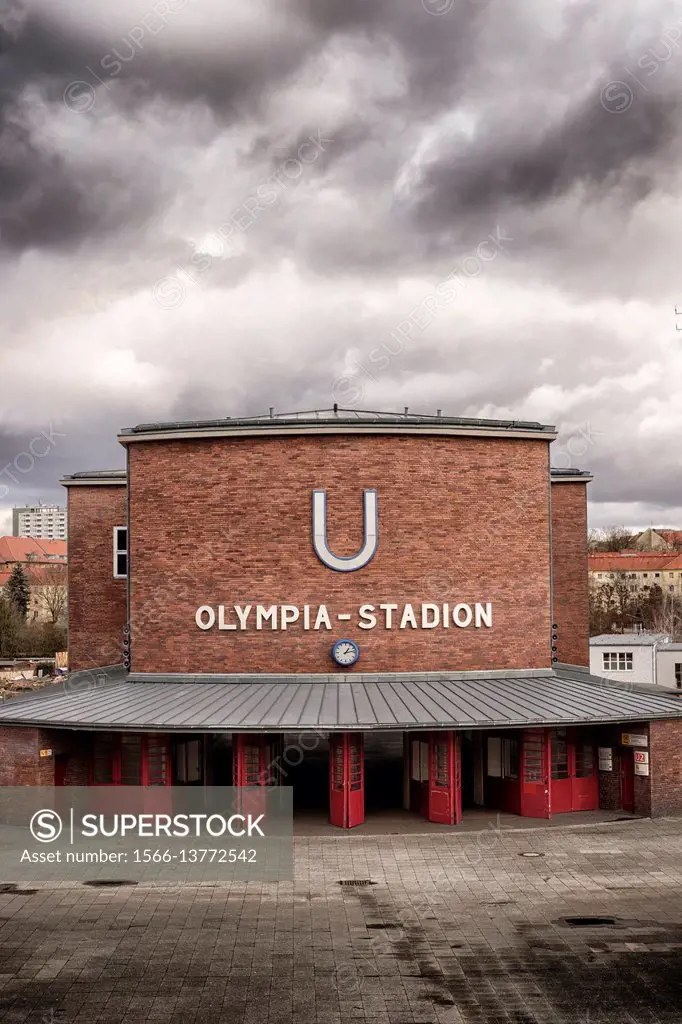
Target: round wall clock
345, 652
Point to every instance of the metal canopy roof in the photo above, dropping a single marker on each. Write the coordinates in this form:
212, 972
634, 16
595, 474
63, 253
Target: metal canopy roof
272, 703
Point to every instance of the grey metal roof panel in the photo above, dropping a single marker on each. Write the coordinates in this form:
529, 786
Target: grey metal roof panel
630, 639
468, 703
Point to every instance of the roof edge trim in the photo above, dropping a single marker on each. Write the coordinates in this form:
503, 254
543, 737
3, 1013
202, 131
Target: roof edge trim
444, 430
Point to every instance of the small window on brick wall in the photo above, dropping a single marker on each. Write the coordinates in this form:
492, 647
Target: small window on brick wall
678, 675
120, 552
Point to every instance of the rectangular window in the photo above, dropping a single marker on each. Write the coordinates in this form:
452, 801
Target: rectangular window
157, 761
103, 760
494, 757
131, 760
678, 675
617, 661
120, 552
503, 758
559, 754
188, 760
584, 755
510, 759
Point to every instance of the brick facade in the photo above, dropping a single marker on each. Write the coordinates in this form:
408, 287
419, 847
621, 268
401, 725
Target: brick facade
569, 567
22, 765
228, 521
20, 760
665, 741
97, 601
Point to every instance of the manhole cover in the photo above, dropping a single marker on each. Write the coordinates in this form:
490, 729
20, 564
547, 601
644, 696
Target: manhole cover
531, 855
107, 883
589, 922
356, 881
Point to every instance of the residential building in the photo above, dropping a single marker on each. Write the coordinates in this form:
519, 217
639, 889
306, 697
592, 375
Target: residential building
658, 540
48, 522
638, 572
44, 562
403, 596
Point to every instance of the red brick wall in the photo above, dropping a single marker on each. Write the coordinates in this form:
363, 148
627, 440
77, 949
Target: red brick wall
20, 761
569, 564
97, 602
22, 765
610, 782
225, 521
665, 738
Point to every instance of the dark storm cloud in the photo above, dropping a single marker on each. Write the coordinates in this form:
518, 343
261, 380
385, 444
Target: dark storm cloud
49, 201
449, 120
43, 202
56, 54
591, 146
33, 461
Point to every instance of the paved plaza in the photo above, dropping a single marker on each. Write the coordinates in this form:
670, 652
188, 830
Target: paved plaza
456, 927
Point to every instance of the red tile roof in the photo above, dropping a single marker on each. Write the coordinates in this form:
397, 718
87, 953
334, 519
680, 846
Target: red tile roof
643, 561
18, 549
670, 536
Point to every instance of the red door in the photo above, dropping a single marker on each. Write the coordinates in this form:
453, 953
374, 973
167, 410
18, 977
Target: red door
627, 780
256, 759
346, 779
445, 789
250, 769
585, 792
535, 771
562, 770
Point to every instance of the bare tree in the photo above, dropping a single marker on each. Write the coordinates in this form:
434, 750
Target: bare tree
611, 538
48, 582
665, 614
611, 606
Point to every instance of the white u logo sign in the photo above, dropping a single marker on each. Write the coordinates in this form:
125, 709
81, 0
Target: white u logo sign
368, 549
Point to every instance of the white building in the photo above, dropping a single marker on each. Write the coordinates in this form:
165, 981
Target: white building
42, 522
669, 666
636, 658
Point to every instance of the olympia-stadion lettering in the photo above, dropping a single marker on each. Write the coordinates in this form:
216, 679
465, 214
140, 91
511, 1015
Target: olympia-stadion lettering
427, 615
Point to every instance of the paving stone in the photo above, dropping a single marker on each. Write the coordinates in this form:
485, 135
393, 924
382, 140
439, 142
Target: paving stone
456, 931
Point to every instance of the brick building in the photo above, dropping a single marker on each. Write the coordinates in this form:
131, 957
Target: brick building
379, 610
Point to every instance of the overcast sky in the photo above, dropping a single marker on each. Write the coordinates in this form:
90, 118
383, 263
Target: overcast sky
208, 208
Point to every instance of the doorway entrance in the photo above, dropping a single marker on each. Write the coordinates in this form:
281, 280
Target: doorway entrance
627, 780
434, 786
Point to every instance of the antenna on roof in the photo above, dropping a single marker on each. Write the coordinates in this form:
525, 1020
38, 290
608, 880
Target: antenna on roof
406, 408
272, 412
336, 408
438, 412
